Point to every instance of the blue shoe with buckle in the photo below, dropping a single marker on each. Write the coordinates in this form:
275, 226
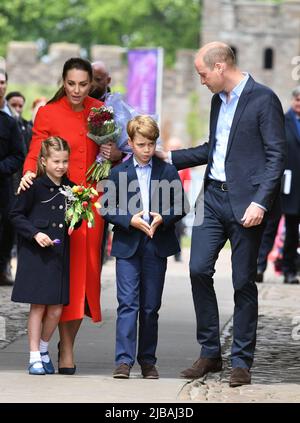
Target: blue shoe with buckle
36, 370
48, 367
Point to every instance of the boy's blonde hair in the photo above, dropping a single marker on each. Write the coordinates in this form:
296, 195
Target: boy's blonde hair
55, 143
143, 125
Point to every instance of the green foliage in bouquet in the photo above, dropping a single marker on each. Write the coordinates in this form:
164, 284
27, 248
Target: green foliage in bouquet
79, 205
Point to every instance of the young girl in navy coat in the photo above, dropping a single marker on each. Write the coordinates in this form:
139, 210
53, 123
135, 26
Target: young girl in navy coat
42, 277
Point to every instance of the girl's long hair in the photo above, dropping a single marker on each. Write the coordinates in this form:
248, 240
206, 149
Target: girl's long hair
55, 143
73, 63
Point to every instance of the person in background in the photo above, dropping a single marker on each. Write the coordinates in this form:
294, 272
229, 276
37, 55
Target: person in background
16, 101
101, 80
9, 180
101, 91
36, 104
11, 160
268, 238
4, 106
290, 197
185, 176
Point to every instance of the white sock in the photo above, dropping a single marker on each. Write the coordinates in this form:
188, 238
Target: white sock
43, 349
35, 356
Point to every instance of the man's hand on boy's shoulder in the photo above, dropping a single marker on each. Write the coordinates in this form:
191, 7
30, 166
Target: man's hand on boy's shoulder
138, 222
157, 220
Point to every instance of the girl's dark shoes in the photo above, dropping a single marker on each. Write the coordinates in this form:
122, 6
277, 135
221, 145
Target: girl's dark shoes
48, 367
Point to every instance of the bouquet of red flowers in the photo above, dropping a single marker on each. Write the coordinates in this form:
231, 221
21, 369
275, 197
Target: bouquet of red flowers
102, 129
79, 205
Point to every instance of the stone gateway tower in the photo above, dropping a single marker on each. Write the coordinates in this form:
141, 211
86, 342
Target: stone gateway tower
265, 36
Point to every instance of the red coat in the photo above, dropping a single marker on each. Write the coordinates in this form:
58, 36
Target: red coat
58, 119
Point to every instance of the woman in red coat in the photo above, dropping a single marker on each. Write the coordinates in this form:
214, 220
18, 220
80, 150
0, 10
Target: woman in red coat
66, 116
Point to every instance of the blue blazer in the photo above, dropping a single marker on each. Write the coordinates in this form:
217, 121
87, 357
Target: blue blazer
256, 149
127, 238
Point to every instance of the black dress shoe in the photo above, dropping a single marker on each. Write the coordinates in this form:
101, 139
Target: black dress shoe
67, 370
5, 280
201, 367
259, 278
239, 376
291, 278
64, 370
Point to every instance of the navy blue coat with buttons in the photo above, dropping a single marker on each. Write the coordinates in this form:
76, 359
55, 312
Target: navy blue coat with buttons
42, 273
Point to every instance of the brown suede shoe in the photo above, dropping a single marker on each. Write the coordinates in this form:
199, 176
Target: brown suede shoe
239, 376
201, 367
149, 371
122, 371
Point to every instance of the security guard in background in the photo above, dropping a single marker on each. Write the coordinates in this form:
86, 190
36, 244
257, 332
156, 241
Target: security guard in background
12, 156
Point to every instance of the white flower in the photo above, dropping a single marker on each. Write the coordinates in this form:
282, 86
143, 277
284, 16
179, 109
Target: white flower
67, 192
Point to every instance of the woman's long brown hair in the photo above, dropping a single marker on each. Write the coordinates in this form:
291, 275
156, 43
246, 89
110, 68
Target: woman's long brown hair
73, 63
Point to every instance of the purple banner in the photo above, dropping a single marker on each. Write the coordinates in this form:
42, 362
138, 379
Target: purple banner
142, 80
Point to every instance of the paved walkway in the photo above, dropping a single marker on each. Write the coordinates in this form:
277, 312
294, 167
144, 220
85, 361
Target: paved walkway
275, 374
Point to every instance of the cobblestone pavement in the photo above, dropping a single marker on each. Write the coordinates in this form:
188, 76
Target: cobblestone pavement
276, 368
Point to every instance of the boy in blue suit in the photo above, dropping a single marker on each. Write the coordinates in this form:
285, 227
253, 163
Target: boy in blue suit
149, 200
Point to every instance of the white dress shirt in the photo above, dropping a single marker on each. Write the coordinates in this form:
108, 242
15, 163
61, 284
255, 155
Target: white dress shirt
144, 177
225, 119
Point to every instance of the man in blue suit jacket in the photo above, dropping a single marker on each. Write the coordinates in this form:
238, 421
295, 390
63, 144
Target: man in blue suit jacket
245, 160
144, 200
290, 197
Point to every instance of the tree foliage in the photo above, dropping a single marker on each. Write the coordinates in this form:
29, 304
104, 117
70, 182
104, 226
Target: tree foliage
171, 24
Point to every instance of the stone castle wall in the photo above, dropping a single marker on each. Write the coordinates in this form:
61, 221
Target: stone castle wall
250, 27
24, 66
